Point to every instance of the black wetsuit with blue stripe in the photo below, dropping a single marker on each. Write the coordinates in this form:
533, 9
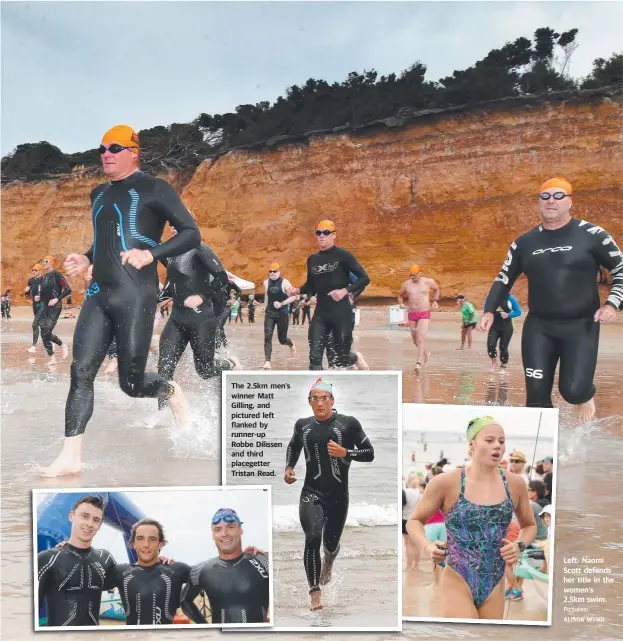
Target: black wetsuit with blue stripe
121, 301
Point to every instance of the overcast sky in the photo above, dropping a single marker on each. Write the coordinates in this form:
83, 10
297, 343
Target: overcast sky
70, 70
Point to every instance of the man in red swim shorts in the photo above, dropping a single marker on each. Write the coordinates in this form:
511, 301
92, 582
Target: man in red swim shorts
416, 291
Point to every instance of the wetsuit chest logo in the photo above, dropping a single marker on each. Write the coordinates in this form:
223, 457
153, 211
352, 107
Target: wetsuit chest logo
259, 568
157, 615
553, 250
326, 268
118, 230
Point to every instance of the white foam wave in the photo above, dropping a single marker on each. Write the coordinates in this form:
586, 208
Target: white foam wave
286, 517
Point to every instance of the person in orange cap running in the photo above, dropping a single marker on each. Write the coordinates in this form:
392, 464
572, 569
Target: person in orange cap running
417, 292
33, 289
328, 277
129, 214
275, 301
560, 258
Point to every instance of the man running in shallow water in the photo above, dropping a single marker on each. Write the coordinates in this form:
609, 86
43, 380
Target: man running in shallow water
323, 506
276, 315
129, 215
565, 313
417, 292
33, 289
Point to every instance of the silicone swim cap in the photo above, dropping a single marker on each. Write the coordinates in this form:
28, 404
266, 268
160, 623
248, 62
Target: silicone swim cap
561, 183
37, 266
274, 266
322, 385
123, 135
48, 259
477, 424
326, 224
415, 269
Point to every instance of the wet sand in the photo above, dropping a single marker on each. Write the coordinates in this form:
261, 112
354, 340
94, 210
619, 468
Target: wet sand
588, 474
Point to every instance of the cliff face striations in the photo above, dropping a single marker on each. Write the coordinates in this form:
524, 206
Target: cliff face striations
448, 191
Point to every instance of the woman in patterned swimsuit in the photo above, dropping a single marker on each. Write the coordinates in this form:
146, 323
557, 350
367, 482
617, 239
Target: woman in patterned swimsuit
478, 503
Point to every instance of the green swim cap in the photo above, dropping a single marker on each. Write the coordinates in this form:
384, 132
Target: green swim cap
322, 385
477, 424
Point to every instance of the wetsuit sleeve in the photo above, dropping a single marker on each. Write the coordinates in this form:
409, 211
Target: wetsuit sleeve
188, 237
609, 256
215, 268
62, 283
45, 560
356, 284
89, 254
191, 591
510, 272
364, 451
308, 287
294, 447
516, 309
363, 280
111, 569
28, 290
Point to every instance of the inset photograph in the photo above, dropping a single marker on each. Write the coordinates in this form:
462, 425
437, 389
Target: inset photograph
330, 448
478, 513
151, 557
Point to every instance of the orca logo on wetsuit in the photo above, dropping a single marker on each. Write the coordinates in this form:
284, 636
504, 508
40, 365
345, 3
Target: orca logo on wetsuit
257, 565
326, 268
553, 250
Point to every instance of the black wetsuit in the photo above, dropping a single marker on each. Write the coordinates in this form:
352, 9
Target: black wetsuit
34, 289
561, 266
328, 270
6, 305
323, 504
238, 589
251, 307
296, 312
306, 310
52, 285
274, 317
332, 353
121, 301
150, 595
71, 581
197, 272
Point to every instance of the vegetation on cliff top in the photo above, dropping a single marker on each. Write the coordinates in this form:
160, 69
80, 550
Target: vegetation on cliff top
519, 68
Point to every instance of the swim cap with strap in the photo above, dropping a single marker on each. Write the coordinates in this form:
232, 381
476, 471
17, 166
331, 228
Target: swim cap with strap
561, 183
326, 224
477, 424
123, 135
322, 385
274, 266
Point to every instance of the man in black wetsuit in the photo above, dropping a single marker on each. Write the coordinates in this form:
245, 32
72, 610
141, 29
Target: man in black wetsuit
151, 589
276, 314
306, 307
193, 280
129, 214
251, 308
331, 442
236, 582
72, 578
53, 287
560, 258
34, 289
328, 276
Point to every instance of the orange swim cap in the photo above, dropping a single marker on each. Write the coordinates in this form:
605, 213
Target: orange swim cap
274, 266
561, 183
123, 135
326, 224
37, 266
415, 269
49, 259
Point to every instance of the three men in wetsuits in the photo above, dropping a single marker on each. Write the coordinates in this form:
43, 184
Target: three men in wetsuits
236, 582
53, 287
328, 277
72, 578
565, 313
194, 279
129, 214
276, 314
331, 442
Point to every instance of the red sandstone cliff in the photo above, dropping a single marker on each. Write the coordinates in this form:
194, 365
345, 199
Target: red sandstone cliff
448, 191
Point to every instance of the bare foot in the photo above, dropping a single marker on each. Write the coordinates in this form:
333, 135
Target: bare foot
418, 367
266, 365
585, 411
361, 362
32, 349
112, 366
65, 350
52, 360
458, 349
493, 367
179, 406
315, 601
69, 461
234, 361
292, 351
502, 369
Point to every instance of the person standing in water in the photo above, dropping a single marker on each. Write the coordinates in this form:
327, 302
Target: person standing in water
416, 291
565, 310
323, 505
129, 214
478, 503
33, 289
328, 277
469, 320
276, 314
502, 331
